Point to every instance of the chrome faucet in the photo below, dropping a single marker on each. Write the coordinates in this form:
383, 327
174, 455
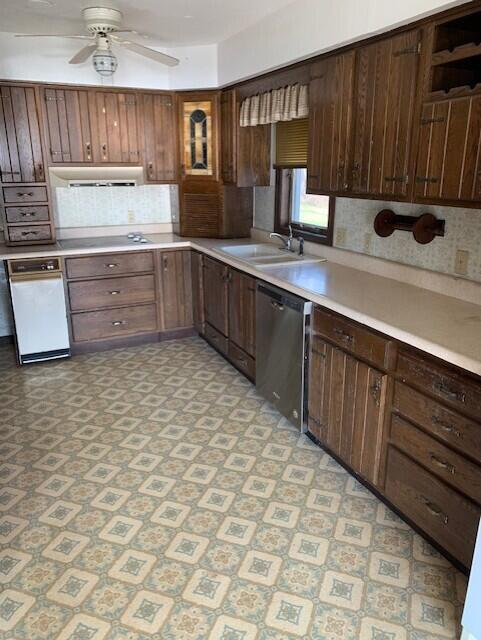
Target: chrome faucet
287, 242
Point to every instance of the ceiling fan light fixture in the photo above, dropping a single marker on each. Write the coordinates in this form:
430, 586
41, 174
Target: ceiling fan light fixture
105, 63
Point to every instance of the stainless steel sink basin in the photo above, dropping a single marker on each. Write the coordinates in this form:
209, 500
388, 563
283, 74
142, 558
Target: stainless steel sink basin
265, 256
250, 251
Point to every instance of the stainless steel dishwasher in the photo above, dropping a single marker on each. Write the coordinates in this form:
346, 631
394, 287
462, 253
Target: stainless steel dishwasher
282, 323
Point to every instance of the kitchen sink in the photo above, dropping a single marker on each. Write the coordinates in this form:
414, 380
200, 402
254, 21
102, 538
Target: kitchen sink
265, 256
251, 251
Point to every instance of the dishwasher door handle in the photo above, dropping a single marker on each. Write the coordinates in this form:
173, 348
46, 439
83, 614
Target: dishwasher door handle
276, 305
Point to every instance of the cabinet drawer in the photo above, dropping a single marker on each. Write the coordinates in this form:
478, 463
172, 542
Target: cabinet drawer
361, 342
111, 292
450, 466
242, 360
440, 511
109, 264
444, 423
216, 339
27, 214
25, 194
95, 325
26, 233
461, 391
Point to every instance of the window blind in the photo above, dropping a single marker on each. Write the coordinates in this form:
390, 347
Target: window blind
291, 143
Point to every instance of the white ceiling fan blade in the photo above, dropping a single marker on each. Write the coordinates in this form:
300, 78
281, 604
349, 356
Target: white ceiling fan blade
83, 54
163, 58
51, 35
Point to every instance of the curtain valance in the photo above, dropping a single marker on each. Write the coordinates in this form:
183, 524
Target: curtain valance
279, 105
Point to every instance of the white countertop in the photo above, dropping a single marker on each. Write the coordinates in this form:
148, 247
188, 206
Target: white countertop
437, 324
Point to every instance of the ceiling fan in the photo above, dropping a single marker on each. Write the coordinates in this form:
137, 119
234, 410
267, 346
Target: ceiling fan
103, 25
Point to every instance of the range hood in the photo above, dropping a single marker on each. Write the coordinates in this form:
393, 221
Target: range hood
96, 176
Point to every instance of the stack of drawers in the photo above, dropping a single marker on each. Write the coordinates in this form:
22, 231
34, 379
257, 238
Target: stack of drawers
112, 295
27, 215
434, 451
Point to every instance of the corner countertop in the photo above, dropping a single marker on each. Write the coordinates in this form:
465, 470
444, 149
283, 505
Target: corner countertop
440, 325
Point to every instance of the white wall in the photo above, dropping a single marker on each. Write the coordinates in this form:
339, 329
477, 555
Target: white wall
46, 60
307, 27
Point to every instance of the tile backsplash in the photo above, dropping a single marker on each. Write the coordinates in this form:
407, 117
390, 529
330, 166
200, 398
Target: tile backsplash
353, 230
115, 206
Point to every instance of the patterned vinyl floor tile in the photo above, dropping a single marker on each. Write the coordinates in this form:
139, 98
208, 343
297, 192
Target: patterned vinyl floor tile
151, 493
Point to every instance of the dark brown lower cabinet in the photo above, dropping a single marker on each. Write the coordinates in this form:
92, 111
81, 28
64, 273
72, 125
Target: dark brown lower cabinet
347, 407
216, 294
407, 423
242, 311
197, 265
227, 317
175, 279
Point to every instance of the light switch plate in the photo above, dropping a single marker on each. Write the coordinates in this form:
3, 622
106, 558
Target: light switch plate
461, 263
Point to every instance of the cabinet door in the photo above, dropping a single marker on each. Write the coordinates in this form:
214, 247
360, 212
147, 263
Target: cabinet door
347, 406
67, 119
386, 80
448, 164
176, 290
242, 310
330, 124
229, 124
21, 158
198, 115
159, 129
115, 123
254, 156
197, 261
216, 294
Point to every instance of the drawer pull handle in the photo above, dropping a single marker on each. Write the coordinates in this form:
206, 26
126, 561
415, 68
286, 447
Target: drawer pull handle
25, 194
450, 468
449, 428
119, 323
27, 214
112, 265
29, 233
343, 334
434, 510
114, 293
441, 388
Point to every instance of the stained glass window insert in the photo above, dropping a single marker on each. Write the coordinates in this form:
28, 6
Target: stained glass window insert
198, 138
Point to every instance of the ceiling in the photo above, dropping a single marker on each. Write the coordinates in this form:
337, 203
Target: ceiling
168, 22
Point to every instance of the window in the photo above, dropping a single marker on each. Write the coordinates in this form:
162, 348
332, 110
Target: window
311, 216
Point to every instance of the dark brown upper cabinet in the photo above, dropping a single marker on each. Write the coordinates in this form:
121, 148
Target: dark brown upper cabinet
67, 124
21, 153
448, 166
115, 128
254, 156
384, 106
229, 125
158, 118
331, 93
245, 151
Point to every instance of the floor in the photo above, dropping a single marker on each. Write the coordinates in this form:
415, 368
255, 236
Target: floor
150, 493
